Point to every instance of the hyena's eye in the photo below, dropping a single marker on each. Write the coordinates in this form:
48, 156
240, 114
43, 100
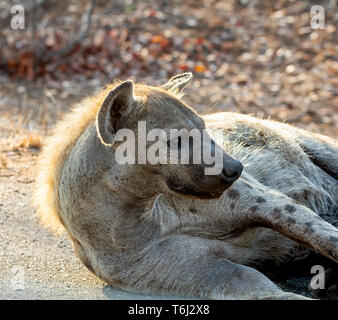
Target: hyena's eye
175, 143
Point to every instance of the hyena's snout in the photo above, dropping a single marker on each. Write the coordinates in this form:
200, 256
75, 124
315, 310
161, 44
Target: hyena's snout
232, 170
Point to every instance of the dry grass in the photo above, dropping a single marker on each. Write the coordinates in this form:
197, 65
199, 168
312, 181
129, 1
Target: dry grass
17, 133
29, 141
3, 162
19, 141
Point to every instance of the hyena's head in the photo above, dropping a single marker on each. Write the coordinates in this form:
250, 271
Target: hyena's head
155, 135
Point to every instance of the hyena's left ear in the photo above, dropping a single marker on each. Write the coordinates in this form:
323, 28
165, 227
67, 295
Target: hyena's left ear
178, 82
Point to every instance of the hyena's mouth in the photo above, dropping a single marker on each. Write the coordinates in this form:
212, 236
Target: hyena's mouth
189, 191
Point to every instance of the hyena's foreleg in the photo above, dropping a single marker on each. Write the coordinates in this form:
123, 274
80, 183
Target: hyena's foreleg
195, 267
264, 207
260, 206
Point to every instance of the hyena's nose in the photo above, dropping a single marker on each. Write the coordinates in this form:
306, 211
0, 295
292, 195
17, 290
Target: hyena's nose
231, 171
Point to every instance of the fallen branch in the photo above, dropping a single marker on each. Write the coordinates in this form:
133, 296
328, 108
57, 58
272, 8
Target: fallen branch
72, 44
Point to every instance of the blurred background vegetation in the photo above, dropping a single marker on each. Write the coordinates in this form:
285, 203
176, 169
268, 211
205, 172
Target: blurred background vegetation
258, 57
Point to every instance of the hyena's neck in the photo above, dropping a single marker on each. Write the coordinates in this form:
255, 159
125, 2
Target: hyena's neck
89, 178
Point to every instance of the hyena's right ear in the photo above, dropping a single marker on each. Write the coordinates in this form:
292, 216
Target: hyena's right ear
117, 105
178, 82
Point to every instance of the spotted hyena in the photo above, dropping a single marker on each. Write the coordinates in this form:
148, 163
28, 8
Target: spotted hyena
171, 228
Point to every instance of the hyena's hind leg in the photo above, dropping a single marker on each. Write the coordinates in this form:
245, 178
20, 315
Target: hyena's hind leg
322, 151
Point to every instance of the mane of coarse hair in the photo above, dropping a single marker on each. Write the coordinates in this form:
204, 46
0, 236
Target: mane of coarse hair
57, 146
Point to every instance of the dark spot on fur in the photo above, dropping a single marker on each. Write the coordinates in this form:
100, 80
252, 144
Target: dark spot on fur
254, 209
232, 205
306, 195
308, 227
260, 200
217, 252
238, 274
192, 210
308, 224
290, 220
233, 193
289, 208
276, 213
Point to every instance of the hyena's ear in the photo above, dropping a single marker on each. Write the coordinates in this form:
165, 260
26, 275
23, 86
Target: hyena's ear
178, 82
117, 105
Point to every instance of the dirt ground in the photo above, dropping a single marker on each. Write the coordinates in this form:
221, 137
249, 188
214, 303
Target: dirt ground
252, 57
